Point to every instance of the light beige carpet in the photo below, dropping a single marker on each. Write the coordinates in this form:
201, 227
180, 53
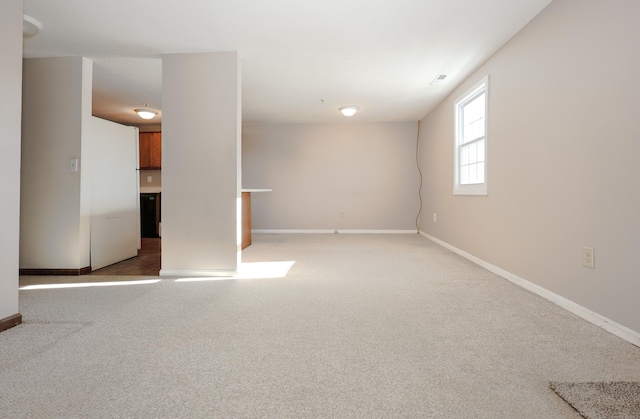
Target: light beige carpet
357, 326
602, 400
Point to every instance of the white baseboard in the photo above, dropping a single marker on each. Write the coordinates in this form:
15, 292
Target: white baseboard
194, 272
339, 231
609, 325
293, 231
378, 231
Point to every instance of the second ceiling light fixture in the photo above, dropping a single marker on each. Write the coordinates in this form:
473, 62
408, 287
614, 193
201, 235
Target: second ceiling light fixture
348, 110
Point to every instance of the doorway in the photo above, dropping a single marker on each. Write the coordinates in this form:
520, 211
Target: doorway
147, 263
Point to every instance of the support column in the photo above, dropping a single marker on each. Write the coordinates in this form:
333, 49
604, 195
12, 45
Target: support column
201, 171
10, 128
55, 201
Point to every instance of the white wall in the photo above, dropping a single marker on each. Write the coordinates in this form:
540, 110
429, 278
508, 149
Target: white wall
114, 192
317, 170
55, 202
200, 163
156, 181
86, 126
10, 109
563, 151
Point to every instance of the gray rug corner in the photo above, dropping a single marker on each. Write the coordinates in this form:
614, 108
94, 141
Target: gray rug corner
598, 400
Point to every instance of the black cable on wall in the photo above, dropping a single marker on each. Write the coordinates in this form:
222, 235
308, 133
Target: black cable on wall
420, 172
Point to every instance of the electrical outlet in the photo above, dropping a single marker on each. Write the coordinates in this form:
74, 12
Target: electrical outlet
588, 257
434, 217
149, 179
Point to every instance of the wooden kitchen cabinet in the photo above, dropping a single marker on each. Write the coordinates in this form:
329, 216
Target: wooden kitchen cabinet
150, 150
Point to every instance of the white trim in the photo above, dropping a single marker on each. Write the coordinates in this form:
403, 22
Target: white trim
337, 231
194, 272
378, 231
592, 317
293, 231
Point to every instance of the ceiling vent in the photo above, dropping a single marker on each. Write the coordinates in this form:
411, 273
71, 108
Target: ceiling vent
439, 79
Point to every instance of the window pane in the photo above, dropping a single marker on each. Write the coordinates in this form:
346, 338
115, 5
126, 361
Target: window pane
480, 101
464, 155
467, 133
473, 176
480, 128
474, 110
480, 150
473, 153
469, 114
466, 115
473, 131
464, 175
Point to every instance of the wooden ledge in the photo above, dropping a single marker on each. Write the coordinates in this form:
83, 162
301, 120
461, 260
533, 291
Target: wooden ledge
11, 321
56, 272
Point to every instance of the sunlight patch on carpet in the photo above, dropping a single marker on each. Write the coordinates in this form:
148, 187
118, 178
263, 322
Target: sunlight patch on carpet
88, 284
251, 270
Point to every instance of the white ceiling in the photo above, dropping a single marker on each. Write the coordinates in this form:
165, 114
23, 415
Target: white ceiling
300, 60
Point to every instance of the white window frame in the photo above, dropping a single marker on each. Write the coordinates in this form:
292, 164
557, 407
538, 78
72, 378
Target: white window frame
476, 188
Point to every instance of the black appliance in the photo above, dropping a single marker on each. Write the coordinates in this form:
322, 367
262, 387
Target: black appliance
150, 214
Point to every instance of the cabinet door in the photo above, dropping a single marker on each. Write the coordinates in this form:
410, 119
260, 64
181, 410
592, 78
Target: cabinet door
150, 150
145, 150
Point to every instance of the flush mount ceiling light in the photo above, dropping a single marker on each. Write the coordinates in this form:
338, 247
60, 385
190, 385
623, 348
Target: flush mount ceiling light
30, 26
349, 110
146, 113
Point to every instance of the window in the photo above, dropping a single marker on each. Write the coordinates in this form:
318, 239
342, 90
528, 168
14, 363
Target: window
471, 141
